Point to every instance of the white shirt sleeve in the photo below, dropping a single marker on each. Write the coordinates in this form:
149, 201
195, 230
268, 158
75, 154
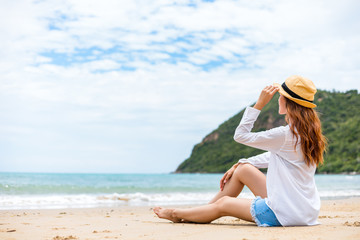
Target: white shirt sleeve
259, 161
270, 140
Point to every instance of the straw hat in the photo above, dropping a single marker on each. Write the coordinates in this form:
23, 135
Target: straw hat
298, 89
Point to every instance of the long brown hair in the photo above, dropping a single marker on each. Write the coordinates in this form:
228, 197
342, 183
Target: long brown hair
305, 124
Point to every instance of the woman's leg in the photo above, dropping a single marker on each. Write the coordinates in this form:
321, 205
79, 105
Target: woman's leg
245, 174
225, 206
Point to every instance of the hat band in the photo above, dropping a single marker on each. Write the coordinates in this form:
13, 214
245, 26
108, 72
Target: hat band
291, 93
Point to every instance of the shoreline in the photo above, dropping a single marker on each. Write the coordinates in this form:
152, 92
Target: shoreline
340, 219
327, 199
125, 204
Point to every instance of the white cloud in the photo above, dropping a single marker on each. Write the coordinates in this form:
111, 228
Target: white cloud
131, 83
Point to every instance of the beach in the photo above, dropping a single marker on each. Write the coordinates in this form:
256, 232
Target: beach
53, 206
340, 219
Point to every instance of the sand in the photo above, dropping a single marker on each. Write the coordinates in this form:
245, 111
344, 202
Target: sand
340, 220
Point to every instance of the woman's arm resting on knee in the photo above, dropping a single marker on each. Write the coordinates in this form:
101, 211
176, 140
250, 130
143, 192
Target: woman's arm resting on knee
258, 161
227, 175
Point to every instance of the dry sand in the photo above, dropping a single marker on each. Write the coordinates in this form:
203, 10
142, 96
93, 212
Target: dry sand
340, 220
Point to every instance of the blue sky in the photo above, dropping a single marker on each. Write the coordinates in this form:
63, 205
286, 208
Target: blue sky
132, 86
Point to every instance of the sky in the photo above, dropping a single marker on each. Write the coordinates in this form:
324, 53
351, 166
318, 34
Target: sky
130, 86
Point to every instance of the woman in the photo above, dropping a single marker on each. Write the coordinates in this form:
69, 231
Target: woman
287, 196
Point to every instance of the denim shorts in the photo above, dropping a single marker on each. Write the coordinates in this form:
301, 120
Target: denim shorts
262, 214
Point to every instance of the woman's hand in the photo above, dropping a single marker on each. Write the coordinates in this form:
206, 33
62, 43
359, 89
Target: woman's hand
265, 96
227, 176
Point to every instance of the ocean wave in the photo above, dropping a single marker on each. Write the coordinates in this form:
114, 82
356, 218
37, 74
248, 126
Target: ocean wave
104, 200
130, 199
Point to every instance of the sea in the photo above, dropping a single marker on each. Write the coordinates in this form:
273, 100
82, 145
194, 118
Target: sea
70, 190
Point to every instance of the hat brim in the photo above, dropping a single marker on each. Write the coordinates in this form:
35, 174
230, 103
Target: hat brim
298, 101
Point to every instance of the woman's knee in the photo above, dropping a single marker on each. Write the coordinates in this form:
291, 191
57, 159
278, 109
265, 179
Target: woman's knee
221, 204
243, 168
247, 172
253, 178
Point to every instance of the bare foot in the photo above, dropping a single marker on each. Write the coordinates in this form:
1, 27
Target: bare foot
166, 213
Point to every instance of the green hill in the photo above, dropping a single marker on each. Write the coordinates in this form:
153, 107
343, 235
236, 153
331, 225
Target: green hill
340, 117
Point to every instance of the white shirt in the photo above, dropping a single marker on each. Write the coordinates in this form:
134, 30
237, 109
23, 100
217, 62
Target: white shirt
290, 183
